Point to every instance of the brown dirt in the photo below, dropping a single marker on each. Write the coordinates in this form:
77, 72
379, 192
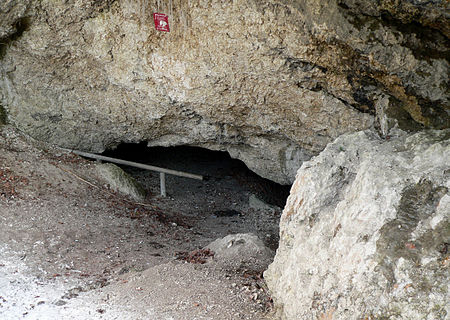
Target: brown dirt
72, 249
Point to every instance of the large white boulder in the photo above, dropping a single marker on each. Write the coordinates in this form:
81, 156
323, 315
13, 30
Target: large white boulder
365, 232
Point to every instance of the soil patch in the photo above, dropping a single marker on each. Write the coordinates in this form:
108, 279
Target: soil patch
70, 248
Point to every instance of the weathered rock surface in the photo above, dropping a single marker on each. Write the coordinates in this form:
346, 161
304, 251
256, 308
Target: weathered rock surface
2, 116
240, 250
257, 204
366, 230
119, 180
13, 18
271, 82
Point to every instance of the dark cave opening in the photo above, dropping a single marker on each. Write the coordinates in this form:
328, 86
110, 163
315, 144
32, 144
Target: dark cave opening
215, 166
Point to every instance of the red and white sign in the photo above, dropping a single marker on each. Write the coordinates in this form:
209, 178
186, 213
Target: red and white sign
161, 22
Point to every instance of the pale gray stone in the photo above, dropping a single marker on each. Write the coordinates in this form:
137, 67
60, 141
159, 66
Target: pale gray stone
119, 180
255, 203
242, 249
365, 232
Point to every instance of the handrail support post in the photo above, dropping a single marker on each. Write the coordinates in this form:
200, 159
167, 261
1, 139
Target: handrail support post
162, 178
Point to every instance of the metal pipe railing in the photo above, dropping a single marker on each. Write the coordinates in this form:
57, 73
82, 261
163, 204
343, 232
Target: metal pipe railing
162, 171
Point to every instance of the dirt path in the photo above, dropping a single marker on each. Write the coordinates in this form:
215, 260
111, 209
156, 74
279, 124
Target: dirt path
72, 249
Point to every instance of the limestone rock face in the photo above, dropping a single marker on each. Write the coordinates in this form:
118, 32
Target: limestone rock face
13, 21
365, 232
271, 82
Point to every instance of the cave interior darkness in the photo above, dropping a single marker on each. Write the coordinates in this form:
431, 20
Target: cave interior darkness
213, 165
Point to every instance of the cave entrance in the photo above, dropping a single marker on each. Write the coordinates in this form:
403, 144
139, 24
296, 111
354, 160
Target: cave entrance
231, 198
213, 165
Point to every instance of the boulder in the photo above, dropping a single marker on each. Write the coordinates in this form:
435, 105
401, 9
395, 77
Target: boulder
257, 204
271, 82
119, 180
366, 230
241, 250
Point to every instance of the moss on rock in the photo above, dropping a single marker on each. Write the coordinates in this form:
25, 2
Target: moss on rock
120, 181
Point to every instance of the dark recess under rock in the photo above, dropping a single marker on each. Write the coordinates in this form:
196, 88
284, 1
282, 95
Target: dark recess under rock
183, 157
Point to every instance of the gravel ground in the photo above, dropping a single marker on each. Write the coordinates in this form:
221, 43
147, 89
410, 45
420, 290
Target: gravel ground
70, 248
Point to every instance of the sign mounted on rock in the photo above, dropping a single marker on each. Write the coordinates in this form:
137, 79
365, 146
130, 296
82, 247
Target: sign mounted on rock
161, 22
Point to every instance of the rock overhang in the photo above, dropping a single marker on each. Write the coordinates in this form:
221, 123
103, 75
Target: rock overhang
271, 83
